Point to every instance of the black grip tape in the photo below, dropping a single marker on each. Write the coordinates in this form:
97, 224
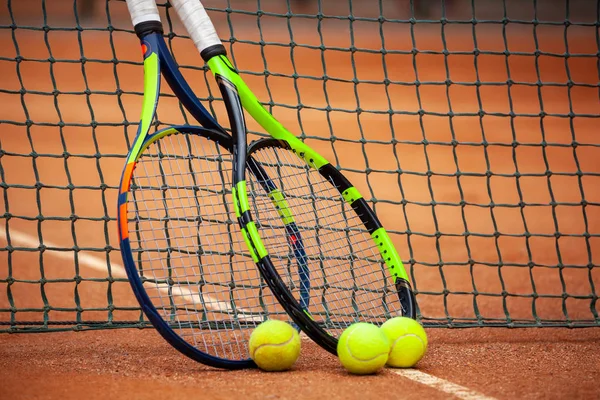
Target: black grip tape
213, 51
147, 27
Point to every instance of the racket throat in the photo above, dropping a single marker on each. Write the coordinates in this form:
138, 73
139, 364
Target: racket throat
407, 298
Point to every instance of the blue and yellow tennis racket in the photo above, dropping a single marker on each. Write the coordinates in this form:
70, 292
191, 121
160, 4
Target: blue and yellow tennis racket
183, 251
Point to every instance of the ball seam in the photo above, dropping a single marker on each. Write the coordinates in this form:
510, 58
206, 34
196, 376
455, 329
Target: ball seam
403, 336
357, 358
272, 344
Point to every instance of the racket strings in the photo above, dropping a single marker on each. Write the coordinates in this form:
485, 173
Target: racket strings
188, 248
348, 280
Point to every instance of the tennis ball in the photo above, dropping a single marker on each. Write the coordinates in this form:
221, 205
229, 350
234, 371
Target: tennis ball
408, 341
363, 348
274, 345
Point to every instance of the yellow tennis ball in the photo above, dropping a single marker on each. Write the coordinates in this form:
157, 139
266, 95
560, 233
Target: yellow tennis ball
363, 348
274, 345
408, 341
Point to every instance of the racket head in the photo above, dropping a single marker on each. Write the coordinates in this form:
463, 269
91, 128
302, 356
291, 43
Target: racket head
184, 256
178, 297
235, 92
324, 242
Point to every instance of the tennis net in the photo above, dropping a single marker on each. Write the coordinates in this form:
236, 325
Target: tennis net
470, 126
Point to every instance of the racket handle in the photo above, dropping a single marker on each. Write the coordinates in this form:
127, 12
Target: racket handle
198, 24
142, 11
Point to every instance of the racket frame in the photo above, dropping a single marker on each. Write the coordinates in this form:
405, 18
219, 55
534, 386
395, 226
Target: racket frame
158, 62
238, 97
156, 55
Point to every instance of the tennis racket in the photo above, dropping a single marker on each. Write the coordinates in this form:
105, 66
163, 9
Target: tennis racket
355, 272
184, 254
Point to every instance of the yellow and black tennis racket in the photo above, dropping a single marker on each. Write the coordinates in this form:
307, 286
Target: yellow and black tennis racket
316, 241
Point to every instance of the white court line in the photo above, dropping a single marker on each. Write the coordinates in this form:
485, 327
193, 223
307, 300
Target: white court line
440, 384
118, 271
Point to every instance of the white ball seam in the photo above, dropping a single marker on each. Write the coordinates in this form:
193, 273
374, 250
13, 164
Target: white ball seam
403, 336
361, 359
272, 344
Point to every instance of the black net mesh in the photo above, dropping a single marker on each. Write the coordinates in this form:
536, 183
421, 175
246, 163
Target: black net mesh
470, 126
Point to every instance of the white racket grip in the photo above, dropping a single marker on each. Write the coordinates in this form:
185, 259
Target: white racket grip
197, 22
142, 11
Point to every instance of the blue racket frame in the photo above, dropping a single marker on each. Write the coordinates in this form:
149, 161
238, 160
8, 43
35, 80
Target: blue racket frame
155, 48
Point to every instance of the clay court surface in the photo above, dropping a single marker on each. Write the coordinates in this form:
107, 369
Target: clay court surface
496, 362
503, 364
